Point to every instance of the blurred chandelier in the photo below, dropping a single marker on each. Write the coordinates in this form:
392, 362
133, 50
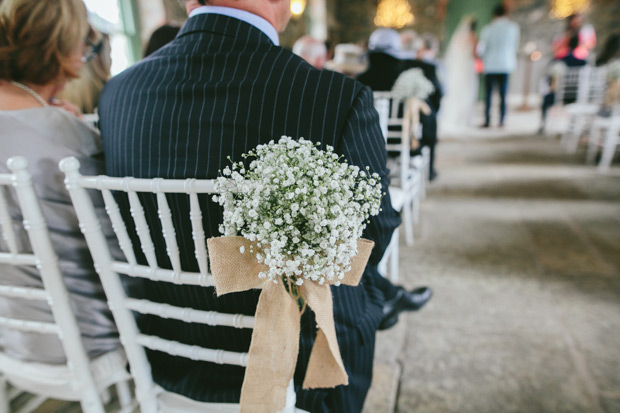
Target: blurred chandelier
298, 7
393, 13
561, 9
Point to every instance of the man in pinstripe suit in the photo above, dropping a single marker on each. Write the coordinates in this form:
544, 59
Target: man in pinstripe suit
222, 87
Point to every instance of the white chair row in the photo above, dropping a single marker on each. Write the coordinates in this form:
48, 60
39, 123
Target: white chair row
604, 135
79, 383
587, 84
400, 126
81, 379
151, 397
577, 91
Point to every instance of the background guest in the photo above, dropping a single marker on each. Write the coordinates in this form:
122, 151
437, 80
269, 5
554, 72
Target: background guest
585, 34
498, 47
160, 37
461, 79
428, 121
41, 48
384, 64
311, 50
84, 91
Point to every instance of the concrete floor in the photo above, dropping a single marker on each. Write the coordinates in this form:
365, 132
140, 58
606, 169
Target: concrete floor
521, 244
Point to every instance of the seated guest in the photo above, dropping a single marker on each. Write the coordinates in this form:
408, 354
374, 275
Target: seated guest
84, 91
384, 64
160, 37
348, 60
384, 47
429, 122
41, 48
311, 50
239, 46
568, 60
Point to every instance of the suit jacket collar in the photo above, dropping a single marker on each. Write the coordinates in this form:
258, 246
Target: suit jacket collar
224, 25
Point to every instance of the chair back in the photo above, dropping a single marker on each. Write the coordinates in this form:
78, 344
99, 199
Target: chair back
54, 292
150, 396
585, 85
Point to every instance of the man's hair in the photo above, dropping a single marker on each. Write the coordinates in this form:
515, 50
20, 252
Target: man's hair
499, 10
37, 38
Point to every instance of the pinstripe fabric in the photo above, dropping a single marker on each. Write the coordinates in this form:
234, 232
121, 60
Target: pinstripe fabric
218, 90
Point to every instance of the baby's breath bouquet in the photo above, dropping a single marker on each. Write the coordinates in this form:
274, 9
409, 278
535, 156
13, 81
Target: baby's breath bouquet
413, 84
303, 209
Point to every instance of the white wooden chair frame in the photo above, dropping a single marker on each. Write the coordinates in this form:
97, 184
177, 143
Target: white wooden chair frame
411, 175
604, 134
590, 95
80, 379
409, 186
151, 397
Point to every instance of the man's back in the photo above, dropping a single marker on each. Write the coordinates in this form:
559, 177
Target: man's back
499, 42
217, 91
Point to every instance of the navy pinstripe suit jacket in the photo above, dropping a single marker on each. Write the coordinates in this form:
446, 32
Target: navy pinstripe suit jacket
218, 90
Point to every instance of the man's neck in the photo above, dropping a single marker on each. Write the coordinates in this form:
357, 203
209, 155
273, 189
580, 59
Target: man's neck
251, 18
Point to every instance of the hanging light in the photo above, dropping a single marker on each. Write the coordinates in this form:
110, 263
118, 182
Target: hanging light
393, 13
561, 9
298, 7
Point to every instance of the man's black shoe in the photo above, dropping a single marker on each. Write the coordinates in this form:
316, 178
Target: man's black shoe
403, 301
432, 176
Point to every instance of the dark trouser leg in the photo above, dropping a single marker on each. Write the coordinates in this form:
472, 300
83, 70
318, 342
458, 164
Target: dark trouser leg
488, 83
384, 285
548, 101
429, 137
502, 79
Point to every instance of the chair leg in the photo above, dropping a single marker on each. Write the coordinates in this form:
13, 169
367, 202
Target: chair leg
609, 149
416, 209
4, 397
408, 224
124, 393
573, 142
394, 258
593, 144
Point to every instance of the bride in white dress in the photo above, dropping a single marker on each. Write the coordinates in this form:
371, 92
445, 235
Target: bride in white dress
461, 82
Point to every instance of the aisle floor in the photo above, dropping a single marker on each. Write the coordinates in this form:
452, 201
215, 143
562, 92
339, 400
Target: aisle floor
521, 244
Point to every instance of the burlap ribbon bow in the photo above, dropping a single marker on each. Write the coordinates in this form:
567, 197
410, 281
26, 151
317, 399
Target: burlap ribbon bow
275, 339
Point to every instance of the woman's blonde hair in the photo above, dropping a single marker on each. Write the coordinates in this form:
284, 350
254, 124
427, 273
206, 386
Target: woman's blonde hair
84, 90
37, 37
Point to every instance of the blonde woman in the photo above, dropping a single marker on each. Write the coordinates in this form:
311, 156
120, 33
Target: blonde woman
42, 47
84, 91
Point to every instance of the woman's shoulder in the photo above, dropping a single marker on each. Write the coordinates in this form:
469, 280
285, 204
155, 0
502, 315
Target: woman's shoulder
55, 126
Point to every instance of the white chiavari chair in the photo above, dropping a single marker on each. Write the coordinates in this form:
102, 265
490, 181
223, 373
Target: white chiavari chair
407, 172
605, 135
591, 84
151, 397
80, 379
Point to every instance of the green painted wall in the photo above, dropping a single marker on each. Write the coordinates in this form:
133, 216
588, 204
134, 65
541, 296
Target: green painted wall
457, 9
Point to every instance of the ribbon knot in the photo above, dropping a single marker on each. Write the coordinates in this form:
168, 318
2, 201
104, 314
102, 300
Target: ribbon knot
275, 338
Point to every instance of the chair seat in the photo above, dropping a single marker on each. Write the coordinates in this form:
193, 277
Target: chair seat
175, 403
398, 198
582, 108
55, 381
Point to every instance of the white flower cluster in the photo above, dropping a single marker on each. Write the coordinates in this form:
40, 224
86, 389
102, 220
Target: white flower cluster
302, 208
613, 70
412, 84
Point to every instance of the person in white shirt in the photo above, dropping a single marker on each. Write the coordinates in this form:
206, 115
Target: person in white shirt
498, 49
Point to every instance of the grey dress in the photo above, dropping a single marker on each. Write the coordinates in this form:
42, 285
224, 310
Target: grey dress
44, 136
